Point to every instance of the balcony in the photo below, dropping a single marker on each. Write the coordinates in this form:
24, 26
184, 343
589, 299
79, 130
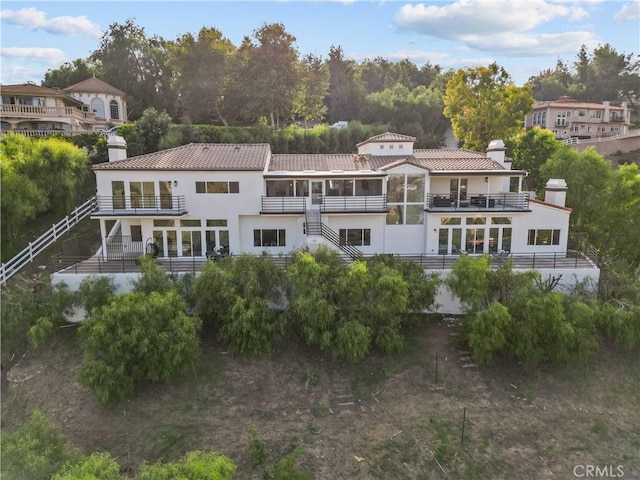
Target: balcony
326, 204
283, 205
357, 204
34, 112
140, 205
478, 202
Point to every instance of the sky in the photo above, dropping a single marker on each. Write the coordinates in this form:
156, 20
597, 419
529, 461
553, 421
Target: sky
523, 36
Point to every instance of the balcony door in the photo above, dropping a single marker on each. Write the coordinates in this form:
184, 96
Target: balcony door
316, 192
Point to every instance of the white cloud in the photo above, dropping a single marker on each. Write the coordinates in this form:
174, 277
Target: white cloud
502, 27
35, 19
51, 57
512, 44
478, 17
630, 12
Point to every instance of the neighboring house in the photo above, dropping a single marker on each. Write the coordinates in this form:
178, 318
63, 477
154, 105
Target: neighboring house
429, 206
92, 105
107, 103
568, 118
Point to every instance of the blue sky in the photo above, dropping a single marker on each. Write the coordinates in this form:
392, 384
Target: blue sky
524, 36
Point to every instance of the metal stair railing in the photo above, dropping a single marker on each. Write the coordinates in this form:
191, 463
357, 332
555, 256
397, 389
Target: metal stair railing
343, 245
17, 263
314, 226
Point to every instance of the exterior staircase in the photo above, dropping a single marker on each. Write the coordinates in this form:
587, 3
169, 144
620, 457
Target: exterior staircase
17, 263
316, 227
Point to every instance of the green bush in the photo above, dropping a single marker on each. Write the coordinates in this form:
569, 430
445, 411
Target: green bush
195, 465
137, 337
35, 451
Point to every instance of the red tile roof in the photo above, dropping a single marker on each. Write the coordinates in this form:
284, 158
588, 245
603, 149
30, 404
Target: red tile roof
388, 137
35, 90
93, 85
197, 156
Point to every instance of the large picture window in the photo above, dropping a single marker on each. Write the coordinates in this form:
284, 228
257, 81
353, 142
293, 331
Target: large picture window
217, 187
543, 237
355, 236
269, 238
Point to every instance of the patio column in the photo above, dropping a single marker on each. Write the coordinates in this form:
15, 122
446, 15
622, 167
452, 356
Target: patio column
103, 238
519, 184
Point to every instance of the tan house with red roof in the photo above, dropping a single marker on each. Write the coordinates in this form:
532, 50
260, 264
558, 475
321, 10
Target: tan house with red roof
107, 103
91, 105
568, 118
387, 198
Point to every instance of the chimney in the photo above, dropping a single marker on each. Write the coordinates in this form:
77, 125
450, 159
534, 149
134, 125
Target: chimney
555, 192
117, 148
495, 151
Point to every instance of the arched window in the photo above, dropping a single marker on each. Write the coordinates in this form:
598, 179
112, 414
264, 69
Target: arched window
97, 107
115, 110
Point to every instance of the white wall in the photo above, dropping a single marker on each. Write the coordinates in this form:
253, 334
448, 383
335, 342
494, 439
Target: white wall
445, 301
541, 217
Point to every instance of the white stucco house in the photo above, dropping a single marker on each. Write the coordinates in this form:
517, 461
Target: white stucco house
388, 198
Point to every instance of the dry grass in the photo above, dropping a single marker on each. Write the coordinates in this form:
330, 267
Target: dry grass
385, 418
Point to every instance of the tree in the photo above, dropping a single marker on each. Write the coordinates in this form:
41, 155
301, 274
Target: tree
35, 451
152, 126
195, 465
483, 105
38, 175
587, 175
273, 68
70, 73
346, 91
314, 85
137, 337
137, 65
487, 332
203, 74
97, 466
531, 150
619, 226
22, 197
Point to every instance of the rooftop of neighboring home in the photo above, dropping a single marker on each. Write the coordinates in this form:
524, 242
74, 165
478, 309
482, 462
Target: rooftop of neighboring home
93, 85
32, 90
568, 102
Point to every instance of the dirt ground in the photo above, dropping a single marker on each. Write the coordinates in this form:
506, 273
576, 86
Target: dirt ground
387, 418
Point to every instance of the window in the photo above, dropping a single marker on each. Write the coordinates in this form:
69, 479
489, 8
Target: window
163, 223
355, 236
581, 113
115, 110
400, 147
117, 191
501, 221
217, 187
302, 188
269, 238
142, 194
595, 114
381, 147
543, 237
216, 223
189, 223
476, 220
97, 107
390, 147
395, 187
368, 187
339, 188
279, 188
136, 233
450, 221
